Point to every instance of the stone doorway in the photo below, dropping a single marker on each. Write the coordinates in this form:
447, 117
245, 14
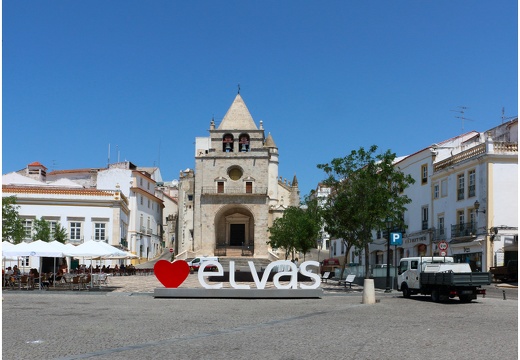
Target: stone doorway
237, 234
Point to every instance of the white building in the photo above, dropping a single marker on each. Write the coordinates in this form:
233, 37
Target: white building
481, 172
117, 204
86, 213
450, 179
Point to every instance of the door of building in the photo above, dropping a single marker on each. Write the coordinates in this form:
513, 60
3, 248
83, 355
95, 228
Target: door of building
237, 234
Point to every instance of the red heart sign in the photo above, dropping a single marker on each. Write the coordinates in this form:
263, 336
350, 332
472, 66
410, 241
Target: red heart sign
171, 274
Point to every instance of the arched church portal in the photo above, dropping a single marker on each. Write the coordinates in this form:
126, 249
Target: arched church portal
234, 227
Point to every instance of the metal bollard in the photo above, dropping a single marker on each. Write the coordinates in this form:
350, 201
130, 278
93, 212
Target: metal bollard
504, 294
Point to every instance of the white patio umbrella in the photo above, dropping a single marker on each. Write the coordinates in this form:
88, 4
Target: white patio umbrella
127, 255
36, 248
95, 250
6, 245
20, 249
41, 249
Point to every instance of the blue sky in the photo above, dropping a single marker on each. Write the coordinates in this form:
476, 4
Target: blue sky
326, 77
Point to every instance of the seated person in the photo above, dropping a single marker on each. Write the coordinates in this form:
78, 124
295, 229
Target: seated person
16, 271
59, 274
33, 277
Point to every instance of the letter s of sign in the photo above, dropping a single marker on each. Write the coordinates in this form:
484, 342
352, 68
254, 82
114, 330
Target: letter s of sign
316, 277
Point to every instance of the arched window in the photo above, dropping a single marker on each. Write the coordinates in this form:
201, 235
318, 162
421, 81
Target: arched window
227, 143
244, 142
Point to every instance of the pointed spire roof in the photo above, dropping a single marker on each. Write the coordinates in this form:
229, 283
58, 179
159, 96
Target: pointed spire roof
269, 142
295, 181
238, 117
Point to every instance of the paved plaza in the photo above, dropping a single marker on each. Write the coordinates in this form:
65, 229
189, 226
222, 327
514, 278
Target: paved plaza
127, 322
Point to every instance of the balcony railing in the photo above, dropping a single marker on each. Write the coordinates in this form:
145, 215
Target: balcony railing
225, 250
211, 190
75, 239
503, 146
498, 147
464, 155
464, 229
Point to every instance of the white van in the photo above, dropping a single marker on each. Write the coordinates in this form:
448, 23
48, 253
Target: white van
196, 262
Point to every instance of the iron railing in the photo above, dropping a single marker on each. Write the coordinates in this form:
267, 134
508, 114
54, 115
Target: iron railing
211, 190
220, 250
464, 229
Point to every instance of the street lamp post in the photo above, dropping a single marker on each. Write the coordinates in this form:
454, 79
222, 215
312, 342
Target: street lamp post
388, 226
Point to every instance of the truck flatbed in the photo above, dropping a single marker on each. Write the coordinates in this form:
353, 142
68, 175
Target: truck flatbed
456, 279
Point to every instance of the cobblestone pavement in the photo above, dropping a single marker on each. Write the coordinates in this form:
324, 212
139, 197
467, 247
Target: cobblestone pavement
126, 322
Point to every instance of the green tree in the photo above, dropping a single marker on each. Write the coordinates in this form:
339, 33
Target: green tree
297, 229
366, 190
60, 233
311, 223
12, 225
42, 230
281, 232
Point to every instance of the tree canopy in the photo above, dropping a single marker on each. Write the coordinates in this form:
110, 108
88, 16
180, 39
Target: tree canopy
298, 228
60, 233
12, 225
42, 230
366, 190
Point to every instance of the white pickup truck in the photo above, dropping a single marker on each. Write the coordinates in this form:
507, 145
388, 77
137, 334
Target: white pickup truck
441, 278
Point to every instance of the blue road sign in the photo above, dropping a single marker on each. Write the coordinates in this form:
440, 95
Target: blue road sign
396, 238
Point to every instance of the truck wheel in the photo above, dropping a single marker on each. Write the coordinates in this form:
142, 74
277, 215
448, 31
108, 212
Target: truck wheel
465, 298
436, 297
406, 291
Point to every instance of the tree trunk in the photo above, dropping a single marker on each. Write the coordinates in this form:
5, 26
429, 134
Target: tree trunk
342, 272
367, 268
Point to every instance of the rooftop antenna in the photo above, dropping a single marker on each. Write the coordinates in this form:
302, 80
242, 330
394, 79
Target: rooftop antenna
159, 159
239, 88
461, 110
504, 117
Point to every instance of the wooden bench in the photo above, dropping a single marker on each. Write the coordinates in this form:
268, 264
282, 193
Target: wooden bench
349, 280
326, 276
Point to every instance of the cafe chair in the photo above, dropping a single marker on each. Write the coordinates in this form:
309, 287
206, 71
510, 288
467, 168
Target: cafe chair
24, 281
76, 283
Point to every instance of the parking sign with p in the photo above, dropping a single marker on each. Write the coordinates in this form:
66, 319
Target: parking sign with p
396, 239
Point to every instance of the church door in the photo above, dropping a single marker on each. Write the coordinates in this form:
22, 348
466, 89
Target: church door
237, 234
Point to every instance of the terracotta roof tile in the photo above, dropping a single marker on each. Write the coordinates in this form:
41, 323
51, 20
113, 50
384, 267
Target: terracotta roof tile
55, 191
